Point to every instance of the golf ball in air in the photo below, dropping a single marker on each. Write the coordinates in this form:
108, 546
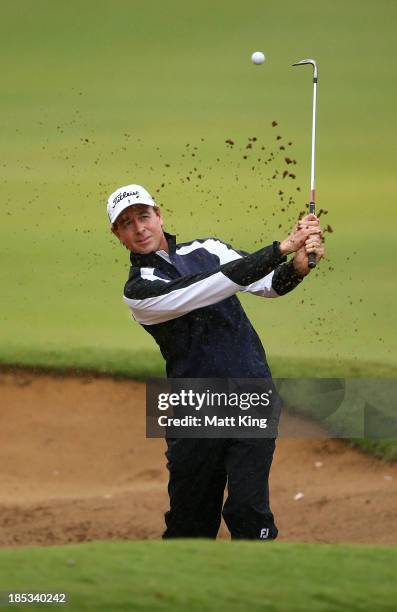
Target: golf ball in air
258, 57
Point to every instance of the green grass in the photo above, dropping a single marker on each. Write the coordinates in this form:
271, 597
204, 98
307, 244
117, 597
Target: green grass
199, 575
384, 448
144, 364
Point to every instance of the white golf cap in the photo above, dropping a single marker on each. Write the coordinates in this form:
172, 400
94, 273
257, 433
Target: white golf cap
127, 196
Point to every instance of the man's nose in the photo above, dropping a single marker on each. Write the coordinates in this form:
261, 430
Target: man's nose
139, 226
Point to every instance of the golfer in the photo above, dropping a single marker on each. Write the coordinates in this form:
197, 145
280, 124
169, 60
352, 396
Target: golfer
185, 296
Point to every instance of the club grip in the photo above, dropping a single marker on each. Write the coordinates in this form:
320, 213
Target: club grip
312, 256
312, 260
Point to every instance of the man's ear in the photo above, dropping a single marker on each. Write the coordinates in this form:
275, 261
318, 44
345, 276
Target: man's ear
158, 213
114, 231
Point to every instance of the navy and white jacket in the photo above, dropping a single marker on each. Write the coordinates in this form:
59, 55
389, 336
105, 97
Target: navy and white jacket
186, 299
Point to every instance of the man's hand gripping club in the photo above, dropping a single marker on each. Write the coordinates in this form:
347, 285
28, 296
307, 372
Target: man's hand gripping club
306, 237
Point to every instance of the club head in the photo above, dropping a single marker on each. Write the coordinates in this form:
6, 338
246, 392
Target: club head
308, 61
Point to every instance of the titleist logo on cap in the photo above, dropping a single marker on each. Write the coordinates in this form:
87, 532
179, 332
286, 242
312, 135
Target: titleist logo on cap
123, 195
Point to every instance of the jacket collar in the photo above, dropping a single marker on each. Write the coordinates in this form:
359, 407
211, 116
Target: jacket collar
150, 259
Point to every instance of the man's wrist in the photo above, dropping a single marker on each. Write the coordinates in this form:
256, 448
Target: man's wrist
279, 255
283, 247
301, 274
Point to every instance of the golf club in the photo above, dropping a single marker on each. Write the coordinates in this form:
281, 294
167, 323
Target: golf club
312, 203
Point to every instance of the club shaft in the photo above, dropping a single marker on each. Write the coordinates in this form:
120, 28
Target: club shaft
312, 201
312, 183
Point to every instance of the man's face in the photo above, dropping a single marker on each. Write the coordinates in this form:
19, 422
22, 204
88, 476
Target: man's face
140, 229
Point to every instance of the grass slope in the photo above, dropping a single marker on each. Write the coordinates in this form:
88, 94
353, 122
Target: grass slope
200, 575
144, 364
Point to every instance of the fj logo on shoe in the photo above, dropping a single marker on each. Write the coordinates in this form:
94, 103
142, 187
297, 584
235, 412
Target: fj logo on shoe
264, 534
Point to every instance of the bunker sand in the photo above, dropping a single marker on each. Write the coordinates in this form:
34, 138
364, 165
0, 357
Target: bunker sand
75, 465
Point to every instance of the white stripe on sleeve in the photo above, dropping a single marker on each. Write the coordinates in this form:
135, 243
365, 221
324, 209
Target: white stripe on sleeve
216, 247
161, 308
262, 287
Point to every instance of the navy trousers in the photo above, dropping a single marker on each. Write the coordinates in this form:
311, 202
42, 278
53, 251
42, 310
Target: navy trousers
198, 472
